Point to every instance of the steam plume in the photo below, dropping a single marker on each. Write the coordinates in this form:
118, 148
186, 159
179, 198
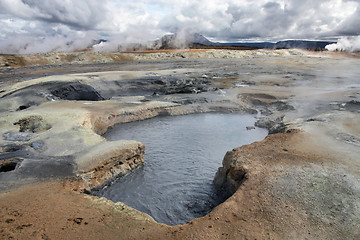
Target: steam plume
20, 44
346, 44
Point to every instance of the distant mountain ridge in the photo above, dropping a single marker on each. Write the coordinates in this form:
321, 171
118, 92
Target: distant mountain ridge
182, 40
197, 41
302, 44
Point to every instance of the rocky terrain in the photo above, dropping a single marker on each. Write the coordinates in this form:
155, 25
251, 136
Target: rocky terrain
301, 182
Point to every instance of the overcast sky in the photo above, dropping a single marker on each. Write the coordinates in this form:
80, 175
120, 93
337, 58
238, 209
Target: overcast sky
45, 25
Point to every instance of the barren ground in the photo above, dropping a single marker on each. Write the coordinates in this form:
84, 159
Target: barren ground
301, 182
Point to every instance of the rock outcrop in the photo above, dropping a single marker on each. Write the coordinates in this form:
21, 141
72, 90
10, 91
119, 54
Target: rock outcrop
107, 162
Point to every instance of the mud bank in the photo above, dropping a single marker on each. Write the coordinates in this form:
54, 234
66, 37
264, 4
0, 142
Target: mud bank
300, 182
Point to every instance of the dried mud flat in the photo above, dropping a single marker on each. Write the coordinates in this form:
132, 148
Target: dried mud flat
301, 182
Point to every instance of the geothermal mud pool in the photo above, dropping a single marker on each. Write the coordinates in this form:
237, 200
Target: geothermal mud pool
300, 182
175, 184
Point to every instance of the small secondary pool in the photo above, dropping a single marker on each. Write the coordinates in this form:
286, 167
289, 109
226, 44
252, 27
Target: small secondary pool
183, 153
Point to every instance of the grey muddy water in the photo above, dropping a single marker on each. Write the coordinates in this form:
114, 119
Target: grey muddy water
183, 153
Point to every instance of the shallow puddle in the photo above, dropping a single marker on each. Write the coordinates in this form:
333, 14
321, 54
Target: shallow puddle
183, 153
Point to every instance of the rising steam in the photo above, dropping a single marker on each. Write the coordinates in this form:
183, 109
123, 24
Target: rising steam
346, 44
20, 44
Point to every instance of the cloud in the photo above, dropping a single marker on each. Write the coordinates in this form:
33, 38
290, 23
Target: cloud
80, 14
262, 19
127, 21
350, 26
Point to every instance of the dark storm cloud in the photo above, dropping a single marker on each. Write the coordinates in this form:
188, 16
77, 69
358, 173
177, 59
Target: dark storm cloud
351, 26
80, 14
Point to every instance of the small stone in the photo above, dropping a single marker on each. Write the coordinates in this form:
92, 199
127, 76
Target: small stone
78, 220
9, 220
21, 136
37, 145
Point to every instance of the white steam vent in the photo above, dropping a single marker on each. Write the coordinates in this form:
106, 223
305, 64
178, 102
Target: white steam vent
346, 44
